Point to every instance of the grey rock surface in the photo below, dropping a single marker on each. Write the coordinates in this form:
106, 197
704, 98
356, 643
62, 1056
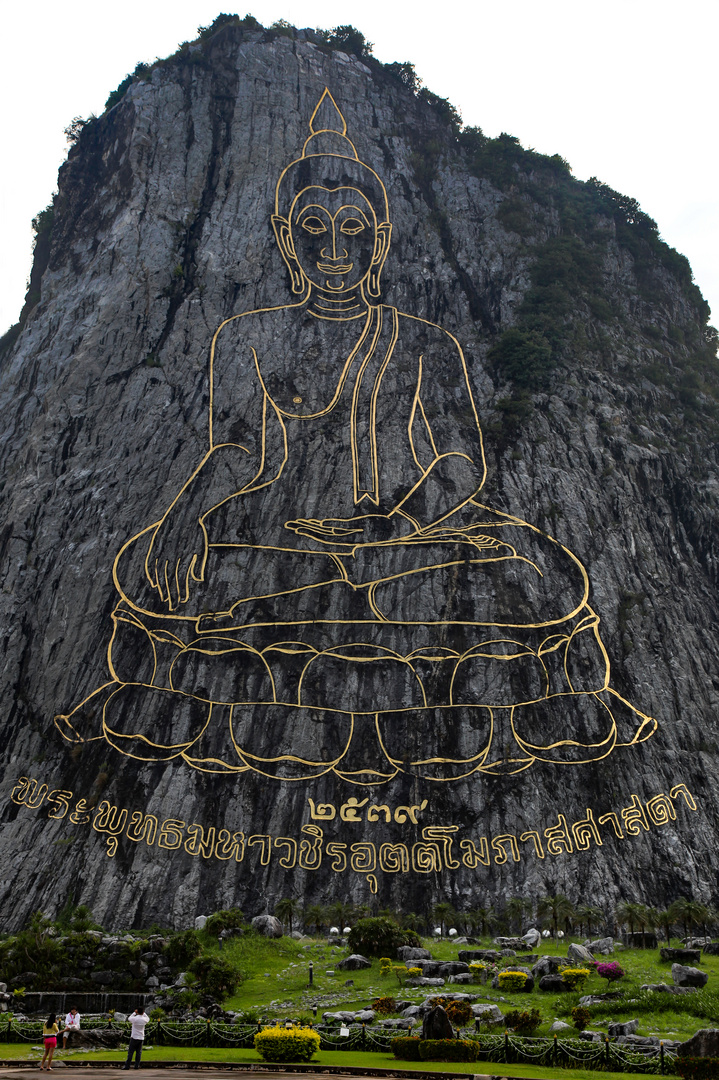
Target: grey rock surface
703, 1043
162, 230
681, 956
553, 984
579, 953
354, 962
268, 926
436, 1024
628, 1027
490, 1014
532, 938
601, 947
548, 965
559, 1025
409, 952
688, 976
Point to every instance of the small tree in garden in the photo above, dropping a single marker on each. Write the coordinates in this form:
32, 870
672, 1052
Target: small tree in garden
611, 971
459, 1013
581, 1016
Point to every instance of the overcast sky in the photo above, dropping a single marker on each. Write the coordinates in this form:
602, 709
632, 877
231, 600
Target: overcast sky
625, 90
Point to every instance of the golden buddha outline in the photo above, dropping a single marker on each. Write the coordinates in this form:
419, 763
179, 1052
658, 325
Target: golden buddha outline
276, 618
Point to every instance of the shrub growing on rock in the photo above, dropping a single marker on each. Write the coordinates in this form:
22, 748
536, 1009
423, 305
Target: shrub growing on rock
384, 1005
513, 981
182, 948
459, 1013
380, 936
581, 1016
215, 976
227, 919
286, 1044
611, 971
575, 978
524, 1022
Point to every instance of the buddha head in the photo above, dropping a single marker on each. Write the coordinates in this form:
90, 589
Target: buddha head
331, 214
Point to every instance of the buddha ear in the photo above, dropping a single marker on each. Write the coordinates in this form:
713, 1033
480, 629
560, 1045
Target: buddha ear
381, 250
283, 236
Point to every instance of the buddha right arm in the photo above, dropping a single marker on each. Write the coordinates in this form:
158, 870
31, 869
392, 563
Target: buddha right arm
178, 551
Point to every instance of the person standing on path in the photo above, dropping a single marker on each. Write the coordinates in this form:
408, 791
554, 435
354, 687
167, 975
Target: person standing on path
49, 1038
138, 1020
72, 1023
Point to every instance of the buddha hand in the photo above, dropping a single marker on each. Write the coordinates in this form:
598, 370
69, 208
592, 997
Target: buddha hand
355, 531
177, 555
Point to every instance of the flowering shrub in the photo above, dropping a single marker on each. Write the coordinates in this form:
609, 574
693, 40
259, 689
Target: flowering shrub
448, 1050
575, 978
524, 1022
384, 1005
406, 1048
385, 965
415, 973
512, 980
581, 1016
611, 971
286, 1044
459, 1013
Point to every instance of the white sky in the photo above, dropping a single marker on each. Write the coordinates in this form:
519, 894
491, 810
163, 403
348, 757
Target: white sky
625, 90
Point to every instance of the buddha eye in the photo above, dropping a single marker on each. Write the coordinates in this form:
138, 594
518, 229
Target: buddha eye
314, 225
351, 226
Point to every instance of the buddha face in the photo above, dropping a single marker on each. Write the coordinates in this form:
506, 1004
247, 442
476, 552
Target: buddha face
333, 241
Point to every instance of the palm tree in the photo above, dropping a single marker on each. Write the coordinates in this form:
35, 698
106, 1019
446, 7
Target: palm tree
643, 921
587, 914
553, 909
483, 919
680, 912
443, 913
629, 914
698, 914
663, 920
285, 909
515, 910
316, 916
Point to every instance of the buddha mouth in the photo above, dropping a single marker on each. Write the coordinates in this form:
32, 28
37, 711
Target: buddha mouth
335, 268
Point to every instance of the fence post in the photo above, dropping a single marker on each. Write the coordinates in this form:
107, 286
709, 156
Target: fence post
661, 1053
207, 1034
554, 1051
606, 1050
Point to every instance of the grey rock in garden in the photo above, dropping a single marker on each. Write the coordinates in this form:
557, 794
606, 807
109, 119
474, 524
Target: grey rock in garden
436, 1024
200, 922
427, 967
558, 1026
423, 980
509, 942
365, 1016
491, 955
627, 1027
508, 952
591, 1036
3, 988
295, 935
554, 984
688, 976
579, 954
410, 952
450, 996
161, 231
267, 925
152, 982
104, 978
658, 988
697, 942
488, 1014
354, 962
466, 978
704, 1043
396, 1022
453, 967
712, 949
548, 965
411, 1011
103, 1038
601, 947
681, 956
532, 938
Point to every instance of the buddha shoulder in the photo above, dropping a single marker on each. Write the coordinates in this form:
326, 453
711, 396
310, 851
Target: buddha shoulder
255, 329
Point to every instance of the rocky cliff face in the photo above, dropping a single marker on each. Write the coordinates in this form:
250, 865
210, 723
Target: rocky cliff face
468, 742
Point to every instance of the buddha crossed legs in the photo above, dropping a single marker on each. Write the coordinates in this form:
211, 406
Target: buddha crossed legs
328, 584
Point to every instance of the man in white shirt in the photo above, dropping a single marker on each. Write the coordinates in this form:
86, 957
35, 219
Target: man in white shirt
138, 1020
72, 1023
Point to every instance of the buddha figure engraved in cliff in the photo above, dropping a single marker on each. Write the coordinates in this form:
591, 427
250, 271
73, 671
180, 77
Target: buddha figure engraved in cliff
327, 592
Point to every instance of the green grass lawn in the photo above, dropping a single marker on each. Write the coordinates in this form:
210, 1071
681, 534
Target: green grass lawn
277, 971
323, 1059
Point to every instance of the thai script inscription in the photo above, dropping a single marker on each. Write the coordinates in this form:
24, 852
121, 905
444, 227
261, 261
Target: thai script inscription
440, 847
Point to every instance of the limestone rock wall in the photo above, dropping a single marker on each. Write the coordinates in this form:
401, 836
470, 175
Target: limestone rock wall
162, 231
